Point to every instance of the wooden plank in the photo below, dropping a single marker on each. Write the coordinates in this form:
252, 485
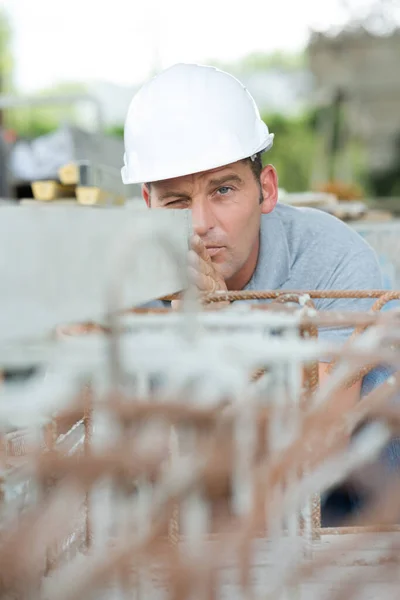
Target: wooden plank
97, 184
93, 196
49, 190
69, 174
101, 177
55, 263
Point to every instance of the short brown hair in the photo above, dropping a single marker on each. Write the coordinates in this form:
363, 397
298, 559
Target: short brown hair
256, 165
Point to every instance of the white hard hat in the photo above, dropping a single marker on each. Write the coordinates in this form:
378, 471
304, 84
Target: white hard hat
188, 119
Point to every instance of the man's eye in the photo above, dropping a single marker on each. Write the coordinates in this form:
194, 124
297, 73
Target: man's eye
224, 190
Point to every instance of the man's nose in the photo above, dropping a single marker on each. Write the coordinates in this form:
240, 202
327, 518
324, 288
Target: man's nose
203, 218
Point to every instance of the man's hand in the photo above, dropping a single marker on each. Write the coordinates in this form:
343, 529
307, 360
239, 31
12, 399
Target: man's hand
202, 272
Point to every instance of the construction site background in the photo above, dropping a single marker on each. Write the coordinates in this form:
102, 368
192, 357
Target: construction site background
333, 108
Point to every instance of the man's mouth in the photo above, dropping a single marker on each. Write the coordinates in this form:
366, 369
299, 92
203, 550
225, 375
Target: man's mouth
213, 250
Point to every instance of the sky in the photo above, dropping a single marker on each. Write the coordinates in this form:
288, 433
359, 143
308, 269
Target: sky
124, 41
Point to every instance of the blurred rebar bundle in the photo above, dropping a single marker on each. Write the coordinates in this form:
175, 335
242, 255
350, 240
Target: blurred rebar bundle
183, 455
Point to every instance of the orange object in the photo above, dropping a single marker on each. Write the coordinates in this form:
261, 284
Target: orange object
9, 136
343, 191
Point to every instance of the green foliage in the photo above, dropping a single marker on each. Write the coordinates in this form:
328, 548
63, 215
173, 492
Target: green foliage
293, 150
299, 152
261, 61
116, 130
33, 121
386, 183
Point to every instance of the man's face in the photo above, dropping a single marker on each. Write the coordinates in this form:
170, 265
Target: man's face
226, 205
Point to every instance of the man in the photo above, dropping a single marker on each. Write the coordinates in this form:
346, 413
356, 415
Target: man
194, 139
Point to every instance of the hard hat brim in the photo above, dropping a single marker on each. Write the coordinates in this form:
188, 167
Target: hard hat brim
160, 175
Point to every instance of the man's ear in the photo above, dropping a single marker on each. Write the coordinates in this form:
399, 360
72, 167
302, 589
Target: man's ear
146, 194
269, 189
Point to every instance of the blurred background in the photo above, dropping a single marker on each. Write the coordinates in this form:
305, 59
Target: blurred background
325, 75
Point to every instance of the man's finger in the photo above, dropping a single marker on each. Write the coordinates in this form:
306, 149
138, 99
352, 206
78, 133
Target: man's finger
204, 282
200, 249
202, 271
198, 263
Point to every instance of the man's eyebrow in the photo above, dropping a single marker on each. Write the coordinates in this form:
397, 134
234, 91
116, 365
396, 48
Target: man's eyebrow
172, 194
219, 181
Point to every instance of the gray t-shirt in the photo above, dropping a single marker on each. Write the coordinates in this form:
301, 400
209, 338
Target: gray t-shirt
307, 249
